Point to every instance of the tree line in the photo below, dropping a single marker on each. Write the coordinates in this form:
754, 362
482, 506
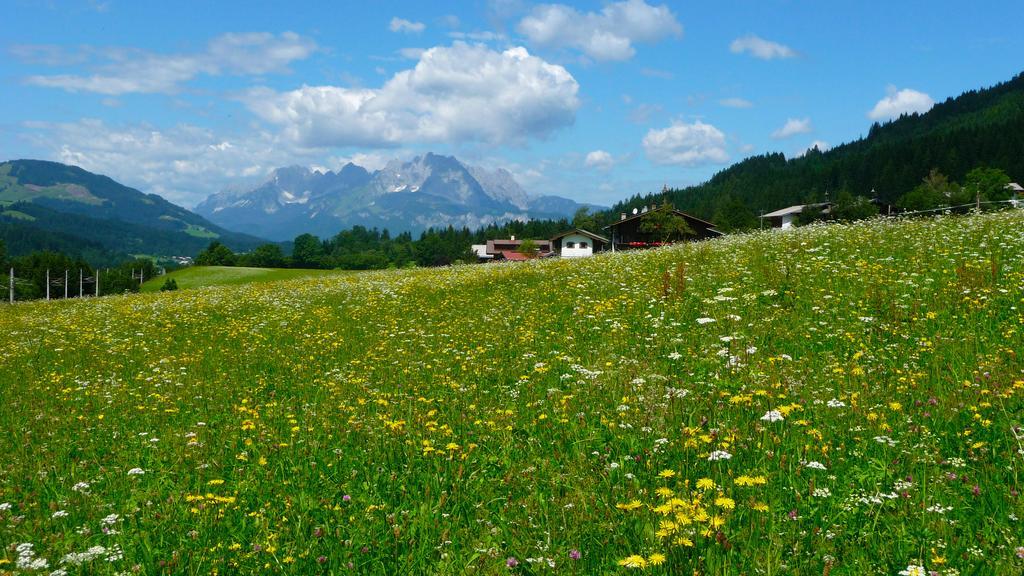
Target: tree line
978, 129
361, 248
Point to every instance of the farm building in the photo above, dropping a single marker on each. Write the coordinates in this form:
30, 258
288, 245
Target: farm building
1018, 193
502, 249
787, 217
577, 243
630, 233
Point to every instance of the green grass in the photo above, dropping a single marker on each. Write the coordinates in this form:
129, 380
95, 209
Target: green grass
200, 232
11, 191
842, 400
199, 276
17, 215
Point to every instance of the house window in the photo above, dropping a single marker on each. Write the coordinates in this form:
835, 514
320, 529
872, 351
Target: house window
570, 244
584, 245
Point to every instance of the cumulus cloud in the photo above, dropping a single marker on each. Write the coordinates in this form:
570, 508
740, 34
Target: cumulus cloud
599, 159
735, 103
760, 48
402, 25
899, 102
686, 144
605, 35
124, 71
792, 127
453, 94
183, 163
48, 54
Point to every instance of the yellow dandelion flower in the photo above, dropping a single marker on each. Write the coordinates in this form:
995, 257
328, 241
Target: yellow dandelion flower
656, 559
664, 492
634, 561
633, 505
664, 509
705, 484
684, 541
666, 474
726, 503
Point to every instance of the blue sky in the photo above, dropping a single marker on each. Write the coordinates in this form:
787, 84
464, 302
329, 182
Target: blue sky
594, 101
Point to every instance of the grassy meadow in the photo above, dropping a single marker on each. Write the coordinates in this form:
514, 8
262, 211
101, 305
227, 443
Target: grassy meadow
199, 276
841, 399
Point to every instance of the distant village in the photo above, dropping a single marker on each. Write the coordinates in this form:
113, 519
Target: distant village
651, 227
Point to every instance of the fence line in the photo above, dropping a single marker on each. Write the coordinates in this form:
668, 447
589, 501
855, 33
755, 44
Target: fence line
1011, 203
13, 281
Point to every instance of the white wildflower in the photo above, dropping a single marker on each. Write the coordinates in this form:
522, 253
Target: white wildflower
772, 416
719, 455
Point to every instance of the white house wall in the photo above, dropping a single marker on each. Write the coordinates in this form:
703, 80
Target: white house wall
577, 252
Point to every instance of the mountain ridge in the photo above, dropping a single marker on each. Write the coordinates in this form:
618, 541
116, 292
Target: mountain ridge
429, 191
69, 201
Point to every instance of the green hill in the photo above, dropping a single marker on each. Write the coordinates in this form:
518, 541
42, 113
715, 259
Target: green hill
978, 128
841, 399
59, 200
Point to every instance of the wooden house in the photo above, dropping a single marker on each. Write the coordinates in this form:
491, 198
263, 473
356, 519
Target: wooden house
502, 249
1018, 193
628, 233
787, 217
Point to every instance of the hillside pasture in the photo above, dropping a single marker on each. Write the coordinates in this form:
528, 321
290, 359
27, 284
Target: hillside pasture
842, 399
200, 276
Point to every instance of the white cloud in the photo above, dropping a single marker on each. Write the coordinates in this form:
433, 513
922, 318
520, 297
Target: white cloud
792, 127
483, 36
182, 163
605, 35
656, 73
760, 48
599, 159
138, 71
686, 144
402, 25
411, 53
899, 102
454, 94
450, 21
643, 113
736, 103
821, 145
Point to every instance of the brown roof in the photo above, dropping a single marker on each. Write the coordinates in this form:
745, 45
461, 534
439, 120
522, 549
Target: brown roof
500, 245
514, 256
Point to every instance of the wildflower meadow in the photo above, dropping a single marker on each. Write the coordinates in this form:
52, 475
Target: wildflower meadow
841, 399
